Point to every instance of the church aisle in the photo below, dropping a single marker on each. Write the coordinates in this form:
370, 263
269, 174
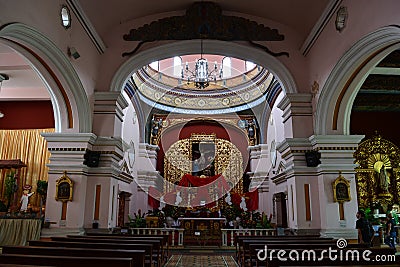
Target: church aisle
201, 261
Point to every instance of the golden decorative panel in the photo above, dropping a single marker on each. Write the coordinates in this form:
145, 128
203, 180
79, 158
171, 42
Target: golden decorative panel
378, 173
228, 160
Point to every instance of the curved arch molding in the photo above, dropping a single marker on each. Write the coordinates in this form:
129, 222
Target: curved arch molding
36, 43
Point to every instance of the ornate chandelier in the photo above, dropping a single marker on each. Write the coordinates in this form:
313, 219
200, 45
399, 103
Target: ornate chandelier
201, 75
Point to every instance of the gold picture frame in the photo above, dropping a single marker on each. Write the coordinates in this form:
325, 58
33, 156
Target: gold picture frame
341, 189
64, 188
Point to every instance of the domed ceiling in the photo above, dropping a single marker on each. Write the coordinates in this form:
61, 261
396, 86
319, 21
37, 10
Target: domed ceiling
164, 85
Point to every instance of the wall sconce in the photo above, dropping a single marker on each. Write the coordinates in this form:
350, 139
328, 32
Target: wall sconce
341, 18
65, 17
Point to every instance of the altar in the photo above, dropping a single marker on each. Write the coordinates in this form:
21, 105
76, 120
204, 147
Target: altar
202, 231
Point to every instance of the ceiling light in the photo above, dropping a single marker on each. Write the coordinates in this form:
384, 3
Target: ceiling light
201, 75
3, 77
65, 16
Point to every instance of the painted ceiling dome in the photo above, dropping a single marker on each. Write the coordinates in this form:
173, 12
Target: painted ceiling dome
234, 84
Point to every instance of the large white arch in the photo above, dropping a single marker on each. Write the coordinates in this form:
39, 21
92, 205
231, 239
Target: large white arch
23, 38
337, 95
231, 49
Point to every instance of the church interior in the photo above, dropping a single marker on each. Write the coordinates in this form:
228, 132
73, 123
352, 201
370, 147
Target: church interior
199, 133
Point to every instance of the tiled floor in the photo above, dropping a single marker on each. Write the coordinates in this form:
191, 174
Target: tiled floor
201, 261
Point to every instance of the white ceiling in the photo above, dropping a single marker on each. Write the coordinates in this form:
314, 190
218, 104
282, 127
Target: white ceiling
105, 15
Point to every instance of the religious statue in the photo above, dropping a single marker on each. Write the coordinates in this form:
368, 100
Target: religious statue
243, 204
383, 180
162, 202
228, 199
156, 126
25, 199
178, 198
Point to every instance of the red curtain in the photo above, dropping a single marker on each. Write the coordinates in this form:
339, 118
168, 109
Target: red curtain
151, 199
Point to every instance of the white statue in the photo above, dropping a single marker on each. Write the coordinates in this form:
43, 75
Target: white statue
25, 200
162, 202
228, 199
178, 198
243, 204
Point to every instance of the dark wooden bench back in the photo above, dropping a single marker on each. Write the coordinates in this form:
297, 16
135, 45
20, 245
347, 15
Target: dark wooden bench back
148, 248
64, 261
138, 256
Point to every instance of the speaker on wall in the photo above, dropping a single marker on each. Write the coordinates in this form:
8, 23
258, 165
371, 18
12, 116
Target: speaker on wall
91, 158
312, 158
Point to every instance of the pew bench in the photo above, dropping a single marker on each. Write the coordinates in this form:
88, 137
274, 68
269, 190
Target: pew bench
138, 256
64, 261
148, 248
348, 254
244, 250
164, 240
156, 244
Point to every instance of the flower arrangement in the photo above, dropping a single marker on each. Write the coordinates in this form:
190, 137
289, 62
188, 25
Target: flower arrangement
138, 221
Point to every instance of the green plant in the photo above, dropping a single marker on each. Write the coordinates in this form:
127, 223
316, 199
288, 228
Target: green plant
10, 187
138, 221
370, 216
3, 207
42, 189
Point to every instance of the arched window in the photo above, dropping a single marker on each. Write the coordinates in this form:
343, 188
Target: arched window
250, 65
177, 66
226, 67
155, 65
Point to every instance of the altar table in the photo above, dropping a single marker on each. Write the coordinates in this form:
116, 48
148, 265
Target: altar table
17, 232
202, 231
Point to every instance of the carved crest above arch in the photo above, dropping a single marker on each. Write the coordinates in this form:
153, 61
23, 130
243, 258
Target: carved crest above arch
205, 20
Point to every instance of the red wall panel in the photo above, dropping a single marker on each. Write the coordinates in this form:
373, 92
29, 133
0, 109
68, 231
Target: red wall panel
232, 134
26, 115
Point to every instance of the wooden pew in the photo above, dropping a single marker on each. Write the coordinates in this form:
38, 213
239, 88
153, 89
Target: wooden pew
138, 256
164, 240
156, 243
64, 261
165, 243
243, 250
148, 248
324, 261
289, 238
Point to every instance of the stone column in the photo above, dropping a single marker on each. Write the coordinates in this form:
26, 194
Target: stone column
297, 115
336, 156
147, 174
108, 113
311, 209
259, 166
67, 154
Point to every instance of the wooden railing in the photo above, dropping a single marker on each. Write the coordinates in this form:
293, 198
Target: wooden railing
176, 234
228, 235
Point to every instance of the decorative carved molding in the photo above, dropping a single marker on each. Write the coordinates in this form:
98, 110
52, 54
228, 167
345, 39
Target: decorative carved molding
204, 20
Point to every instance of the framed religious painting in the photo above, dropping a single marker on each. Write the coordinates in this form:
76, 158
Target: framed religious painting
64, 188
341, 189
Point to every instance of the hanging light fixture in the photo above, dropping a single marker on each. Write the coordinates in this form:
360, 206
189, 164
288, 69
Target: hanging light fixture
3, 77
201, 75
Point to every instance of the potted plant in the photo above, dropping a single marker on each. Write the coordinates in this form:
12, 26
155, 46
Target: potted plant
10, 187
41, 189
